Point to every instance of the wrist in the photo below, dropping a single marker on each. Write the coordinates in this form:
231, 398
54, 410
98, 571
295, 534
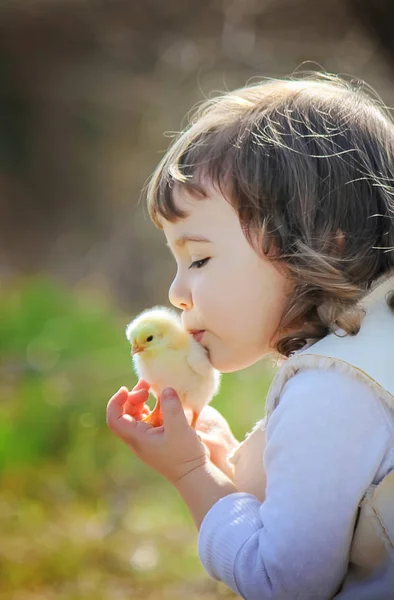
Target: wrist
202, 487
188, 469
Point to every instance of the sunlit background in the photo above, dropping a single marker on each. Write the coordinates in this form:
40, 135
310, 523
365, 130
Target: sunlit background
90, 93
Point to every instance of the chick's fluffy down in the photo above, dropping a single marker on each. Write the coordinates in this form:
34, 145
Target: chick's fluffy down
169, 356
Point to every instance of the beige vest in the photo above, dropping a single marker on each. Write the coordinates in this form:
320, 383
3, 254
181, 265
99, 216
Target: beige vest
369, 357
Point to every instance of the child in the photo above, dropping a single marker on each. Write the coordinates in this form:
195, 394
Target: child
278, 206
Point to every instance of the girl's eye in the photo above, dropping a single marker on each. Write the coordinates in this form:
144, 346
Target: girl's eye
197, 264
150, 338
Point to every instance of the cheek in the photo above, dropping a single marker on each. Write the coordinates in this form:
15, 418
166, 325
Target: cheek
242, 305
208, 294
254, 308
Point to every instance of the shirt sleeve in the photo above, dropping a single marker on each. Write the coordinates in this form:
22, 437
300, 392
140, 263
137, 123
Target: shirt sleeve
324, 444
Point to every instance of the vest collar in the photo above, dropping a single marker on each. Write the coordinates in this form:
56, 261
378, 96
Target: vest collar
367, 356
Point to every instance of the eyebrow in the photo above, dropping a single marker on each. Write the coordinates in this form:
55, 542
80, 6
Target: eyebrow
180, 242
194, 188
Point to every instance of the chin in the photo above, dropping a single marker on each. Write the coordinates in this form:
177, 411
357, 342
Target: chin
231, 364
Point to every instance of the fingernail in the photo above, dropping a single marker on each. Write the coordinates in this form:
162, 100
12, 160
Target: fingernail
168, 393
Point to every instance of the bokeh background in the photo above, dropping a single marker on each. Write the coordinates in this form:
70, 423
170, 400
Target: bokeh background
90, 93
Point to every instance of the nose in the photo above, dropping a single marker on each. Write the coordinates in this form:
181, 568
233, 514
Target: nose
179, 295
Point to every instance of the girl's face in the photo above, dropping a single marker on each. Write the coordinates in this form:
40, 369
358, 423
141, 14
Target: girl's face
222, 285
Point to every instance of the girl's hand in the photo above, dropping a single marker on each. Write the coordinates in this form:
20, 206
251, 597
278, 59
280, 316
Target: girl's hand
174, 449
217, 436
212, 427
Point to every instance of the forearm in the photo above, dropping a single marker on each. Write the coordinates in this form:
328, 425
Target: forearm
202, 488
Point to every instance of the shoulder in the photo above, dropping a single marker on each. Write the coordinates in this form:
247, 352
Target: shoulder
309, 380
327, 423
313, 396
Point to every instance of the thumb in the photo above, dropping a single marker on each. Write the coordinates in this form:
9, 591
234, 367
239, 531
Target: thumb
174, 417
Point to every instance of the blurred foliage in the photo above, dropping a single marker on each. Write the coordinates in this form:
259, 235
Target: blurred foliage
80, 517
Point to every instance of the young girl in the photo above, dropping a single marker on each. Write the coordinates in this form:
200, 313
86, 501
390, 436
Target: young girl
278, 206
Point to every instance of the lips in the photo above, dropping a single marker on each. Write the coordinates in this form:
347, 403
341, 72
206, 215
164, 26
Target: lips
197, 334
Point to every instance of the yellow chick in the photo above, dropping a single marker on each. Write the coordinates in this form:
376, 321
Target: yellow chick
166, 355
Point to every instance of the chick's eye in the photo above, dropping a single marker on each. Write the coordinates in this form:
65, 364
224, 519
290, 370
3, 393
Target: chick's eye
150, 338
197, 264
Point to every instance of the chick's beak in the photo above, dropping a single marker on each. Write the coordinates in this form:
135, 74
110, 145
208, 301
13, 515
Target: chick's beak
135, 349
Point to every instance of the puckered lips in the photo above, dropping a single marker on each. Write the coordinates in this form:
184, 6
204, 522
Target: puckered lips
197, 334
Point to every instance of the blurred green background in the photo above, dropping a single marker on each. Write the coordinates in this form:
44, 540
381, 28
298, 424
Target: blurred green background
80, 517
90, 92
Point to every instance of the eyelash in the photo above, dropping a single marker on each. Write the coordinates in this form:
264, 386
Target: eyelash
201, 263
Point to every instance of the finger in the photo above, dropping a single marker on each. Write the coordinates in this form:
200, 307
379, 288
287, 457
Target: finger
141, 385
132, 409
204, 440
144, 413
174, 418
138, 411
206, 427
115, 405
135, 402
207, 449
138, 397
132, 431
207, 439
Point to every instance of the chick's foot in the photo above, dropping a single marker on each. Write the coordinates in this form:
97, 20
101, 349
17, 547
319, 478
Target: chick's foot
155, 417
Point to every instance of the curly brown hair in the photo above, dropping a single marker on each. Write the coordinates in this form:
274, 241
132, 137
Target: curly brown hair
308, 166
